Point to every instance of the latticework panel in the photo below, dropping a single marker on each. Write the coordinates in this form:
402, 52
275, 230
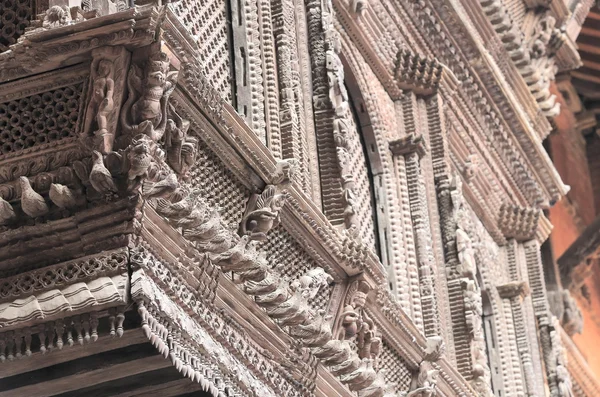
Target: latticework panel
291, 261
218, 185
362, 188
206, 20
396, 369
15, 17
38, 119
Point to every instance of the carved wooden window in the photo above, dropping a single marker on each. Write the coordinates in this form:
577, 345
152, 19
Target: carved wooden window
207, 21
16, 15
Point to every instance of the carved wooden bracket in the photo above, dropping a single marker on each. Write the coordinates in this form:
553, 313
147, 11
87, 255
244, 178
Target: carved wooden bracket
513, 290
409, 144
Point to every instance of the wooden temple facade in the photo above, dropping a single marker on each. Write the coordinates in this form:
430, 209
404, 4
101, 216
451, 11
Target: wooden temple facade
282, 198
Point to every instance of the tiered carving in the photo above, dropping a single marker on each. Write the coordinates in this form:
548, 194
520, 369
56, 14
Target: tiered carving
419, 74
286, 305
39, 119
518, 222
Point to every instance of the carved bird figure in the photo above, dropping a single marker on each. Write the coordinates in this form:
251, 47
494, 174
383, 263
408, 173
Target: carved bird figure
163, 188
62, 196
32, 203
7, 213
100, 178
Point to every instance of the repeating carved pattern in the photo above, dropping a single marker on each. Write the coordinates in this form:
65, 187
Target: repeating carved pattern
55, 335
64, 273
397, 371
16, 15
215, 182
39, 119
206, 20
292, 262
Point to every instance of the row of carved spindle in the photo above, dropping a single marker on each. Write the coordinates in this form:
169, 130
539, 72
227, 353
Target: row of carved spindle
53, 335
167, 342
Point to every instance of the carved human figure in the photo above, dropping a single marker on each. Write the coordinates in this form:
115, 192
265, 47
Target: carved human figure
145, 110
465, 254
102, 95
311, 283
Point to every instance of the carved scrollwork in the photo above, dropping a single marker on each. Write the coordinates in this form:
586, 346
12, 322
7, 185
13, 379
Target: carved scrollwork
150, 84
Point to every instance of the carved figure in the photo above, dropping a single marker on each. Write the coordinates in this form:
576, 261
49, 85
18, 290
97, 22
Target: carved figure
145, 110
425, 382
100, 178
56, 16
7, 213
262, 213
32, 203
62, 196
139, 159
542, 35
102, 95
180, 148
311, 283
163, 188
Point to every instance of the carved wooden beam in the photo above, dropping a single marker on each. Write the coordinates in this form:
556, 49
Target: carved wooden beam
580, 256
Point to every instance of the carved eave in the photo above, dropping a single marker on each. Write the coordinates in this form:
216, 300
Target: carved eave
88, 231
38, 52
412, 72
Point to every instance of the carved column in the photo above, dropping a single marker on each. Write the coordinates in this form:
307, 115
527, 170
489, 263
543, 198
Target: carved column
412, 149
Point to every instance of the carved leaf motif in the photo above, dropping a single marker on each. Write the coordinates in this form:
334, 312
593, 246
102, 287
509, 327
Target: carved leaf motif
264, 200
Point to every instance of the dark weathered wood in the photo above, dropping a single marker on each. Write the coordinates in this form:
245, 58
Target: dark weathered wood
89, 378
586, 245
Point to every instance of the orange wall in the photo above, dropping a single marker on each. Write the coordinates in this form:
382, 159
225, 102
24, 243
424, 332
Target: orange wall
568, 152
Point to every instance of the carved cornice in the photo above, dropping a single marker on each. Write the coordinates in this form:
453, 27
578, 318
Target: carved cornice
93, 295
412, 72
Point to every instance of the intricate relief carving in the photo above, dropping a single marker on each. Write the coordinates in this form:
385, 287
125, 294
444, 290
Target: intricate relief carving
15, 18
181, 148
262, 211
77, 297
518, 222
150, 85
106, 88
416, 73
108, 264
311, 283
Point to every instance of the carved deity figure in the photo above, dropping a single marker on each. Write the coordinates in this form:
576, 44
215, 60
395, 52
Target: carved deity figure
149, 89
102, 96
425, 382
